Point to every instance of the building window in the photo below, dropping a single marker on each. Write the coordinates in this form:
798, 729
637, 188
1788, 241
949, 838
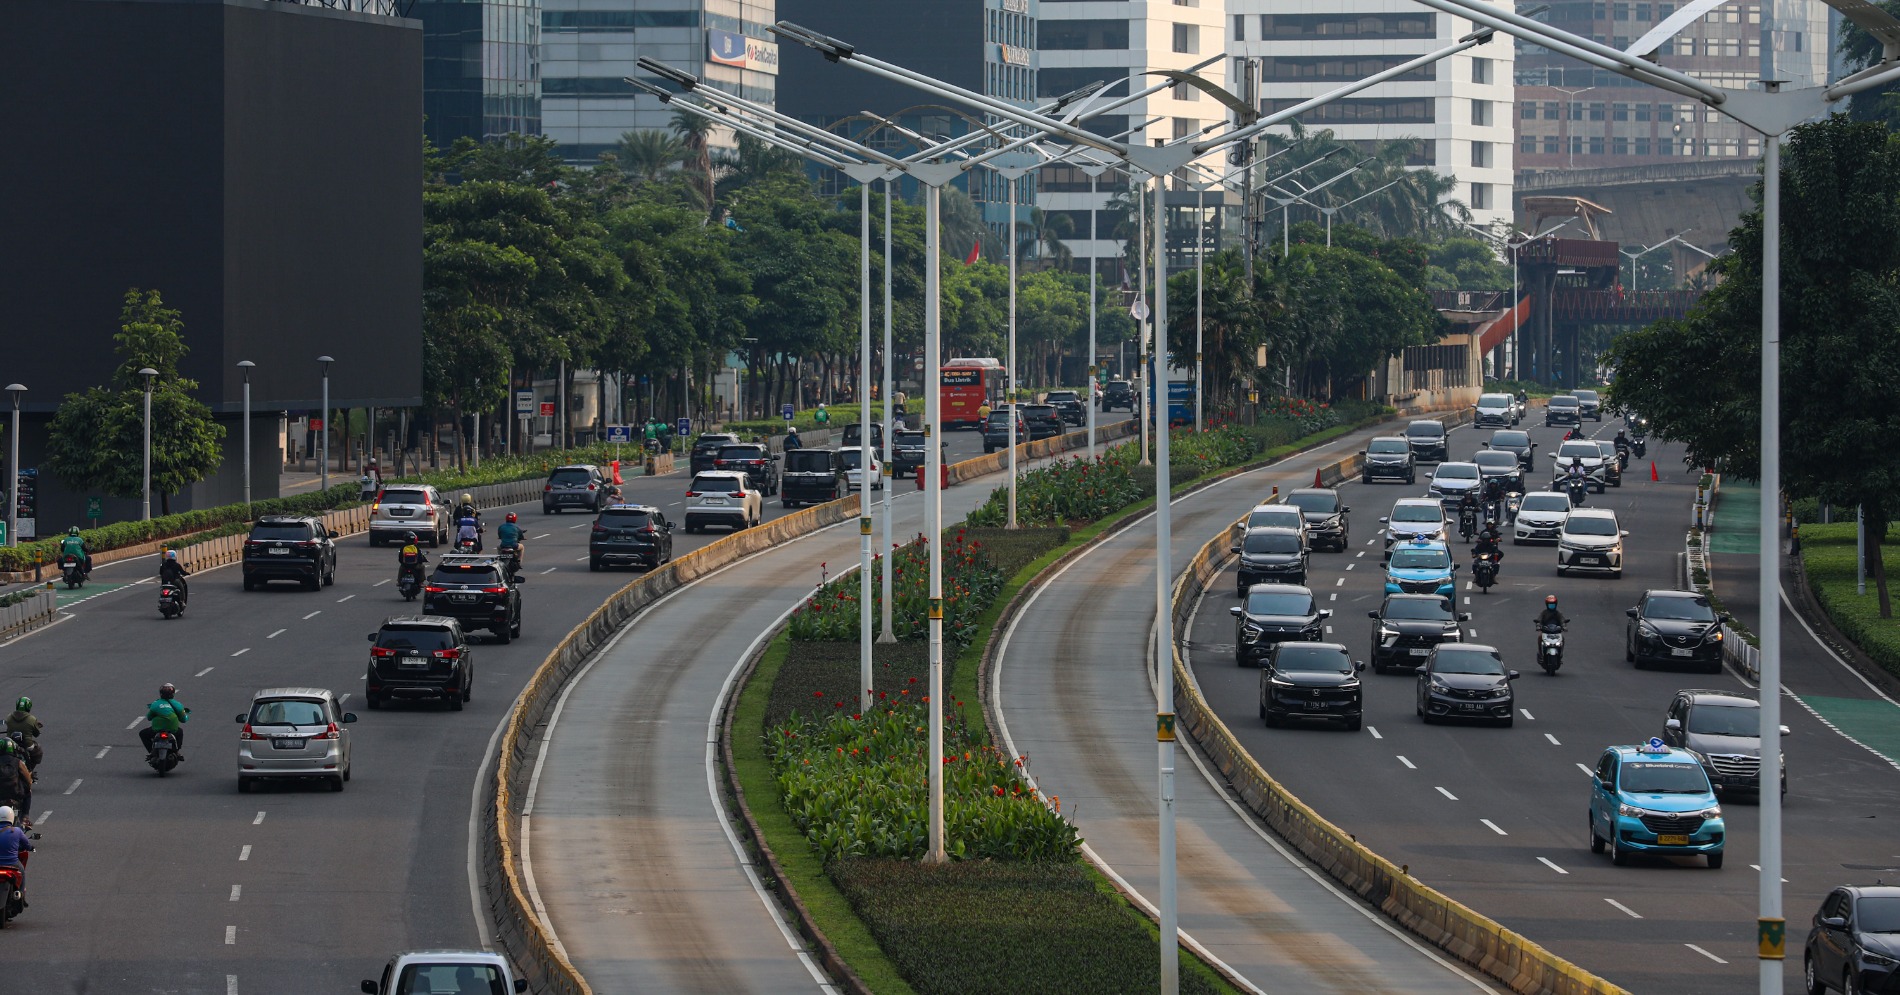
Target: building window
1347, 26
1240, 27
1481, 70
1059, 36
1622, 11
1576, 110
1619, 146
1642, 146
1336, 68
1596, 144
1684, 45
1187, 3
1595, 111
1187, 39
1619, 112
1185, 126
1528, 110
1551, 111
1481, 155
1527, 144
1642, 12
1754, 48
1550, 145
1361, 110
1481, 113
1481, 196
1642, 112
1184, 91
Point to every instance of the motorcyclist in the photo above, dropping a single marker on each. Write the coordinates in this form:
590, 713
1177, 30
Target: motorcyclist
411, 559
16, 782
1574, 476
792, 441
1488, 545
73, 545
1467, 509
13, 842
172, 572
23, 721
1550, 615
466, 509
1622, 440
166, 714
510, 534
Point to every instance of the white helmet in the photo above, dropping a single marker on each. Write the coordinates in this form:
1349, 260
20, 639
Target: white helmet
6, 815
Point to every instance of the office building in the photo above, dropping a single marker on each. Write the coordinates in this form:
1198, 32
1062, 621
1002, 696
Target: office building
480, 72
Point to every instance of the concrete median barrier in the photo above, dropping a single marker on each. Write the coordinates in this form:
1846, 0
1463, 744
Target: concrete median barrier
30, 613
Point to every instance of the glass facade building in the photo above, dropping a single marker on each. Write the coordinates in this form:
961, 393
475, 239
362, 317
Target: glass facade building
481, 68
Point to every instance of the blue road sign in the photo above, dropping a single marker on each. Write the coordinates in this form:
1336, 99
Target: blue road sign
620, 434
685, 427
785, 412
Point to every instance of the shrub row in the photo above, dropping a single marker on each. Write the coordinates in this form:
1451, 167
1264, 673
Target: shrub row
1077, 491
119, 535
1827, 555
970, 583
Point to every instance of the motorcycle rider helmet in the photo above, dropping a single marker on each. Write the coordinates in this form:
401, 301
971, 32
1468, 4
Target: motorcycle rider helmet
171, 554
1550, 601
468, 499
73, 531
166, 690
412, 537
25, 704
6, 815
511, 516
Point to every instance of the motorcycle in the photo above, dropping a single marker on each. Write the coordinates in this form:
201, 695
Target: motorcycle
13, 889
1622, 458
72, 570
1512, 502
513, 554
1578, 488
469, 544
1550, 647
1484, 571
31, 754
408, 584
171, 601
1640, 445
164, 753
1467, 523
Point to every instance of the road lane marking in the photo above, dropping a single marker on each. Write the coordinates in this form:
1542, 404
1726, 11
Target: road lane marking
1341, 582
344, 598
73, 786
1332, 597
1546, 862
310, 616
1626, 910
1447, 794
1587, 772
1329, 630
243, 651
1408, 764
580, 559
579, 526
1553, 739
43, 817
1467, 599
245, 854
1705, 953
549, 570
230, 984
259, 820
1493, 827
1528, 717
230, 936
1349, 566
135, 722
380, 583
543, 535
279, 632
1473, 633
1361, 553
236, 890
101, 755
1757, 867
1374, 730
345, 697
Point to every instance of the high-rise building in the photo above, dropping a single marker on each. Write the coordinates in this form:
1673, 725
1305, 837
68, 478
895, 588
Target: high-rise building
1573, 116
587, 46
1459, 107
480, 68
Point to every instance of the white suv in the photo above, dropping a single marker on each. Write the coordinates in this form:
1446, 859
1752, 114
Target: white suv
1591, 542
446, 971
1413, 518
1540, 518
404, 508
721, 497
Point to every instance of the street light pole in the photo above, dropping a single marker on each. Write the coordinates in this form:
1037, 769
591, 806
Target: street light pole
148, 373
933, 510
13, 470
1015, 406
1094, 394
1164, 615
890, 426
246, 365
323, 437
1200, 313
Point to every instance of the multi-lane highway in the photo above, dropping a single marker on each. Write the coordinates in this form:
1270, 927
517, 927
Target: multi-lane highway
184, 885
1496, 816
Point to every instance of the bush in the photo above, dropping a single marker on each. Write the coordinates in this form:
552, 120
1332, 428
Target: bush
1827, 556
969, 585
971, 928
119, 535
1009, 550
1079, 491
830, 670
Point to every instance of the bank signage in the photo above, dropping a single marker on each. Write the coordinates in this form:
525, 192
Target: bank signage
730, 49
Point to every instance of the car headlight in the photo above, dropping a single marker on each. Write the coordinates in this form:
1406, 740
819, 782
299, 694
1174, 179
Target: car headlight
1453, 634
1878, 960
1278, 683
1385, 633
1712, 812
1436, 686
1630, 811
1648, 631
1714, 636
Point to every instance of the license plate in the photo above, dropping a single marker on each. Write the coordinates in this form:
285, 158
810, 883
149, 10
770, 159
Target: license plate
715, 501
1589, 559
1681, 652
413, 663
1316, 706
1672, 839
278, 742
279, 551
1470, 706
1420, 651
461, 597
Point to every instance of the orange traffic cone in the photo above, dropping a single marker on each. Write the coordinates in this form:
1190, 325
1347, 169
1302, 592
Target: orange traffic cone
1317, 482
616, 469
1652, 471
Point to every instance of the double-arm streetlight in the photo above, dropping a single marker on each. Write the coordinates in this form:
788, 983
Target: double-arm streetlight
1633, 256
13, 469
1285, 198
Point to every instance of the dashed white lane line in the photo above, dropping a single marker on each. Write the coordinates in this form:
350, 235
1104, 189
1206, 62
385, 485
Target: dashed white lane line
1620, 907
203, 672
259, 820
1546, 862
580, 559
1528, 717
310, 616
1447, 794
101, 755
1341, 582
543, 535
380, 583
1757, 867
243, 651
1332, 597
236, 890
43, 817
135, 722
230, 937
344, 598
1493, 827
1361, 553
1329, 630
1705, 953
279, 632
230, 984
1408, 764
1349, 566
549, 570
1473, 633
1467, 599
1553, 739
1374, 730
245, 853
73, 786
343, 699
583, 524
1587, 772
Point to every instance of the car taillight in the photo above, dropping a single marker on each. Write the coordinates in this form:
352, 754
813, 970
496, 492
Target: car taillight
494, 590
692, 493
592, 487
432, 589
378, 651
546, 488
330, 732
599, 527
245, 733
374, 508
448, 654
651, 530
719, 462
738, 494
307, 544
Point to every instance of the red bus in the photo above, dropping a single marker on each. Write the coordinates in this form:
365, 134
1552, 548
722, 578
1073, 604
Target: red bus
967, 385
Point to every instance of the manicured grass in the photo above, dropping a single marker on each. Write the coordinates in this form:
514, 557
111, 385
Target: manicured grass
1827, 554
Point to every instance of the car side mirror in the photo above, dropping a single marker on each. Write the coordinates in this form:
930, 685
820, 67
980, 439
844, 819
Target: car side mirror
1362, 452
1673, 725
1325, 613
1421, 669
240, 718
1785, 731
1510, 675
1455, 566
369, 988
349, 717
1358, 666
1236, 611
1834, 922
1624, 532
668, 526
1631, 612
1464, 616
521, 985
1385, 521
372, 637
1727, 618
1345, 509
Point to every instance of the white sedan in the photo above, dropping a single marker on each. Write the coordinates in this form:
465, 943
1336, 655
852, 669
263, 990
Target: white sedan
854, 474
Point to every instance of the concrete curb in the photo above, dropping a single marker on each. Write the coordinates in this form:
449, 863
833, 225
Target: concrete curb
29, 614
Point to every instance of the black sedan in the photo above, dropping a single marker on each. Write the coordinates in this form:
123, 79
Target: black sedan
1273, 614
1270, 555
1326, 521
1304, 681
1466, 681
907, 453
1517, 442
1671, 627
996, 430
1388, 457
706, 449
1410, 626
1854, 944
1496, 463
1044, 421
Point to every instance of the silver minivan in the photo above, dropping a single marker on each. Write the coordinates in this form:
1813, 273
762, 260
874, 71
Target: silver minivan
294, 732
404, 508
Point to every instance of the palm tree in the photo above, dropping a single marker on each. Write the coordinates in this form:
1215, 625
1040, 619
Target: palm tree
753, 162
1045, 231
646, 154
694, 134
961, 223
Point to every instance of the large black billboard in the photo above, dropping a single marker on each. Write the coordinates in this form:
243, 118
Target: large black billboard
258, 163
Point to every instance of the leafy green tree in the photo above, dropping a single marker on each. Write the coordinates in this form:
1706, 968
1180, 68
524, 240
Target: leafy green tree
1466, 264
1698, 379
1860, 50
97, 439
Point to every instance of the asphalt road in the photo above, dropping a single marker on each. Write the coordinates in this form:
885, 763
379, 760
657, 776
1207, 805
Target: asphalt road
182, 884
1496, 816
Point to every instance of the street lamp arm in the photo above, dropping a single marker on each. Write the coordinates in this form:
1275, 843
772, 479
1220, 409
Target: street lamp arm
762, 114
1866, 79
1580, 48
1363, 196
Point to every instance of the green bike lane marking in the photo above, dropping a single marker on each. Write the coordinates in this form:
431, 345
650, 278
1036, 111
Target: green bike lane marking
1872, 722
1737, 520
93, 589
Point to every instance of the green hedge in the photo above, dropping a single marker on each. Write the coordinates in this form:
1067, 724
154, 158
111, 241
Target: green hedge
119, 535
1827, 555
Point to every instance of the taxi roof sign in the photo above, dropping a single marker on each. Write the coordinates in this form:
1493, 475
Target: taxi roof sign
1654, 745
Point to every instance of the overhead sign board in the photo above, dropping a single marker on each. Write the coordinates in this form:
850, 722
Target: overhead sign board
731, 49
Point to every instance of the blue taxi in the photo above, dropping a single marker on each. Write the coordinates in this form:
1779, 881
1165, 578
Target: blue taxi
1654, 799
1420, 566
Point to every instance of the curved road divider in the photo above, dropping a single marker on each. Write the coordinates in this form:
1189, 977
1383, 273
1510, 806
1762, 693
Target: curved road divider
518, 927
33, 611
1435, 917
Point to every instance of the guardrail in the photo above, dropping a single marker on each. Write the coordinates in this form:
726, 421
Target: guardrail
1435, 917
36, 610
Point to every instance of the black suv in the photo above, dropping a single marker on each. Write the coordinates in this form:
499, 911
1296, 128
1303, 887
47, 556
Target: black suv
1410, 625
582, 485
706, 449
759, 464
629, 533
1673, 627
289, 547
1517, 442
812, 475
1311, 681
1044, 421
1388, 457
1427, 439
1563, 410
473, 588
996, 430
908, 453
1118, 394
1270, 555
1326, 521
419, 658
1275, 613
1068, 405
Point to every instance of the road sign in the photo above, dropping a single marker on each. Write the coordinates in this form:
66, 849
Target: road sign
524, 402
547, 409
785, 412
685, 427
95, 508
620, 434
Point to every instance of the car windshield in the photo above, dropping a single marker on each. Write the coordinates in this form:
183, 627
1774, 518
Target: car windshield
1390, 446
1279, 603
1686, 609
1424, 430
1606, 448
1563, 402
908, 440
1494, 460
1420, 559
711, 442
717, 485
1457, 471
624, 519
1061, 395
1314, 502
1545, 502
571, 477
1648, 777
292, 533
808, 461
1273, 543
426, 638
475, 574
1464, 660
449, 979
1417, 513
1725, 720
405, 497
1878, 914
1513, 439
1495, 401
1283, 516
1580, 448
287, 712
1311, 659
1040, 410
1584, 395
1590, 525
853, 458
742, 452
1419, 609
